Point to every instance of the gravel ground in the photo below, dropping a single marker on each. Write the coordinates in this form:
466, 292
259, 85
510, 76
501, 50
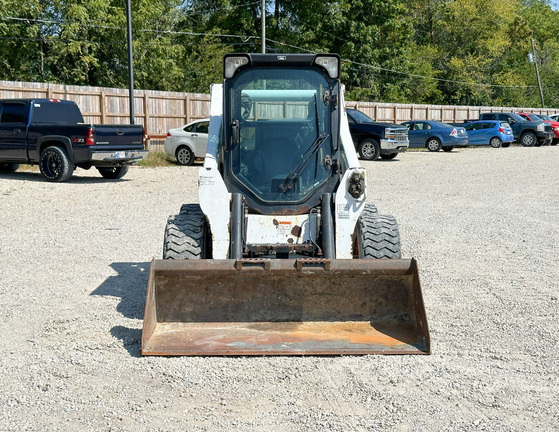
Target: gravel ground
483, 224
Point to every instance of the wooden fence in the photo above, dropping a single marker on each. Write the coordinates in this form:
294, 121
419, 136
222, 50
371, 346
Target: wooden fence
160, 111
156, 111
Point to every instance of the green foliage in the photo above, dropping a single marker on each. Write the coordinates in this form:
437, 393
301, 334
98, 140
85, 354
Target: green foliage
420, 51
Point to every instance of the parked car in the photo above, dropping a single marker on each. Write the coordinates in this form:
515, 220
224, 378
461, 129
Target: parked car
188, 142
373, 139
554, 117
435, 135
554, 124
527, 133
52, 134
489, 132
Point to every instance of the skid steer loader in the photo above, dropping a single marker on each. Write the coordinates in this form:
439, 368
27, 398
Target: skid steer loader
283, 255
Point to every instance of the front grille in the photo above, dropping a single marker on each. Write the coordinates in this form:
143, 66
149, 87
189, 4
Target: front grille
548, 127
397, 134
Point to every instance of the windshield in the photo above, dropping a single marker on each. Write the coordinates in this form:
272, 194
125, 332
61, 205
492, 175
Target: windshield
518, 118
544, 117
56, 112
358, 116
442, 124
280, 114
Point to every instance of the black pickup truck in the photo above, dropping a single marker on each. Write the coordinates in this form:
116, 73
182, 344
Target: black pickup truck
52, 134
527, 133
373, 139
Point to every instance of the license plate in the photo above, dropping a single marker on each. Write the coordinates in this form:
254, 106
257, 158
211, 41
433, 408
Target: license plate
120, 154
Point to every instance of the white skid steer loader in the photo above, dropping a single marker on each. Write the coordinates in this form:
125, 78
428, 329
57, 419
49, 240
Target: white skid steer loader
283, 255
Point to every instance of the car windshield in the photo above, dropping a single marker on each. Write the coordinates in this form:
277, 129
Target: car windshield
517, 118
283, 117
358, 116
56, 112
544, 117
442, 124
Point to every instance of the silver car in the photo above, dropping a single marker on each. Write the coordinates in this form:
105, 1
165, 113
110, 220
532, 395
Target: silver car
188, 142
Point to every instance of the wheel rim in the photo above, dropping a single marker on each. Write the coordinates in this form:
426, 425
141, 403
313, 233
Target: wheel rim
433, 145
495, 142
52, 165
183, 156
368, 150
528, 140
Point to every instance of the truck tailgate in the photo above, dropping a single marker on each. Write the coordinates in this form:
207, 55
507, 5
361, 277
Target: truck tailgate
121, 137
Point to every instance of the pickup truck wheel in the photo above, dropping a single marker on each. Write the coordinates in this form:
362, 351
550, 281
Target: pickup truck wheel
388, 156
495, 142
113, 172
528, 139
9, 167
55, 165
369, 149
184, 156
433, 144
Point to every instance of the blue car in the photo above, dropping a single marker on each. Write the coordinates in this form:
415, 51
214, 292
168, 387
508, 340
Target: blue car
435, 135
489, 132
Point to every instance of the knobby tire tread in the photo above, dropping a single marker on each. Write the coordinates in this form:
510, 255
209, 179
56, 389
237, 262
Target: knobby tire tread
184, 234
379, 236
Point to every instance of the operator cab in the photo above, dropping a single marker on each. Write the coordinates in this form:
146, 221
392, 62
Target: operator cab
281, 129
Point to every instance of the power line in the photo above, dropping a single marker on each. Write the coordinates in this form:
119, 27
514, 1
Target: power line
173, 32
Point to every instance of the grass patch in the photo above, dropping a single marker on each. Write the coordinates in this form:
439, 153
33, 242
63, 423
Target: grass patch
157, 159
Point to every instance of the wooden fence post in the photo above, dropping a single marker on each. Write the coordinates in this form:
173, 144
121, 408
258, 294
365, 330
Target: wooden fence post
186, 109
102, 95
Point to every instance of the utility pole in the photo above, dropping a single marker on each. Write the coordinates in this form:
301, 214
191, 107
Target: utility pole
534, 59
263, 7
130, 62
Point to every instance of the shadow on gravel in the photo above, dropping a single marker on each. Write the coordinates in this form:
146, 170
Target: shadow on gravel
131, 339
37, 177
130, 284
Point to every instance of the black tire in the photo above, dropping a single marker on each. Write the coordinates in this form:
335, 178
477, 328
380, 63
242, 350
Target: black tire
495, 142
528, 139
388, 156
186, 234
9, 167
554, 141
370, 210
448, 148
377, 236
55, 165
369, 149
433, 144
113, 172
184, 156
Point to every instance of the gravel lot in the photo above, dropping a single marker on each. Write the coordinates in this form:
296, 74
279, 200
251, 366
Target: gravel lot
483, 224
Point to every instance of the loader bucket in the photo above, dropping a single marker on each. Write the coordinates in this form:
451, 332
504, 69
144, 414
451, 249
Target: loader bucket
284, 307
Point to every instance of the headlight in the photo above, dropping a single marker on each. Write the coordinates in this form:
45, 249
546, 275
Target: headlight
541, 127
